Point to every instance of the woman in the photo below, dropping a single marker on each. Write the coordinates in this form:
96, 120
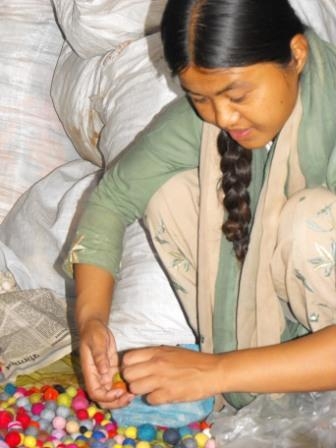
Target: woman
250, 150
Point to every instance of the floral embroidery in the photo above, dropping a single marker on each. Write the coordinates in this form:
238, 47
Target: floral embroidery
330, 221
301, 277
160, 232
178, 258
326, 259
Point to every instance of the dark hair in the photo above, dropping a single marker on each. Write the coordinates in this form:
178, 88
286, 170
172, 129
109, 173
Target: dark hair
230, 33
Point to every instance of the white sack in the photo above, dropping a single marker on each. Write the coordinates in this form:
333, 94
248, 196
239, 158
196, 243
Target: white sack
319, 14
94, 27
32, 140
135, 85
35, 239
41, 225
76, 81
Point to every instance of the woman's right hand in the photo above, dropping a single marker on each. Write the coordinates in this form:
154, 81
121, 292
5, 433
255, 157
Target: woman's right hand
100, 362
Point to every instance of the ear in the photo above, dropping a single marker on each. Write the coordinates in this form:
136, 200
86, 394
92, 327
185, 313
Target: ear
300, 49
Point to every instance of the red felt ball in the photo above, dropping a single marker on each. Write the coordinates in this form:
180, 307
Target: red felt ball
24, 419
82, 414
98, 417
13, 439
5, 418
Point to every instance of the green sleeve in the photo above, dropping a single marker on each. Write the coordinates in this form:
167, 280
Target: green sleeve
171, 144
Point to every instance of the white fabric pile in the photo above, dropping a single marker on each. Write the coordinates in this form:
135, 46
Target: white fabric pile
107, 80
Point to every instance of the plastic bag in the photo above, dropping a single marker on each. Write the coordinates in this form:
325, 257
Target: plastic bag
290, 421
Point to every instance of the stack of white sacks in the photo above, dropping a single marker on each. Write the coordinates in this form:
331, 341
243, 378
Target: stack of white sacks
102, 62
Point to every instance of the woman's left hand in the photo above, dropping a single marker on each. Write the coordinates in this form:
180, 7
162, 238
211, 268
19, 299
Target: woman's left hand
171, 374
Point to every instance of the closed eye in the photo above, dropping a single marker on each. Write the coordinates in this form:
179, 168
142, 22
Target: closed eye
198, 99
237, 100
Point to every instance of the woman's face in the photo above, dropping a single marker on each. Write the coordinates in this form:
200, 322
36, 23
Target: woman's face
250, 103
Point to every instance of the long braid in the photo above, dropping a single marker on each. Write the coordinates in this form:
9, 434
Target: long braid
236, 168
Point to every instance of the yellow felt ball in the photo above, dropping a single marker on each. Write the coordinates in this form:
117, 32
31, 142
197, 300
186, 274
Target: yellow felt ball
143, 444
64, 400
48, 445
131, 432
35, 398
201, 439
71, 391
91, 410
29, 441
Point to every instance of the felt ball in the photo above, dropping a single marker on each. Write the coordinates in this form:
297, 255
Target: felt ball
60, 389
5, 418
131, 432
15, 425
59, 422
201, 439
98, 435
50, 404
71, 391
171, 436
10, 388
63, 411
47, 414
128, 442
91, 410
185, 431
143, 444
98, 417
82, 414
35, 397
98, 444
79, 402
88, 424
64, 400
211, 443
31, 431
29, 441
45, 425
37, 408
3, 396
112, 425
147, 432
119, 438
188, 442
23, 402
3, 444
72, 426
13, 438
58, 433
50, 393
24, 419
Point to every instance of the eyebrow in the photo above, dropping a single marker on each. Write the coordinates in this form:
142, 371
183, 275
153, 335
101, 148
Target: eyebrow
231, 86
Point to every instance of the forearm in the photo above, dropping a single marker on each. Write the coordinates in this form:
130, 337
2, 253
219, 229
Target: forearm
302, 365
94, 287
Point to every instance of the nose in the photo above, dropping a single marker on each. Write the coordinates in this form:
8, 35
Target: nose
226, 116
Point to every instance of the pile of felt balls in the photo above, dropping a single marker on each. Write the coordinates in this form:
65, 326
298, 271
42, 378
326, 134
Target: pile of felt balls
64, 417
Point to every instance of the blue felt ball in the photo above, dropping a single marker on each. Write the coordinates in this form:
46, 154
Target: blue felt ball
171, 436
146, 432
10, 389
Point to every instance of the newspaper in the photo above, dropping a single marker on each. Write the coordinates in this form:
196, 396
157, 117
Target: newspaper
36, 329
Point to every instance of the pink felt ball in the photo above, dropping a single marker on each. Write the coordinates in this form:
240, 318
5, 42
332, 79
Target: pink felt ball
79, 402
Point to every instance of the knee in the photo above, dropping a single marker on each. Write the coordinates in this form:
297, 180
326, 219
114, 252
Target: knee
309, 214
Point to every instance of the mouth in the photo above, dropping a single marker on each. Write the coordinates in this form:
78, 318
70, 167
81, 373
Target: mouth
239, 134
